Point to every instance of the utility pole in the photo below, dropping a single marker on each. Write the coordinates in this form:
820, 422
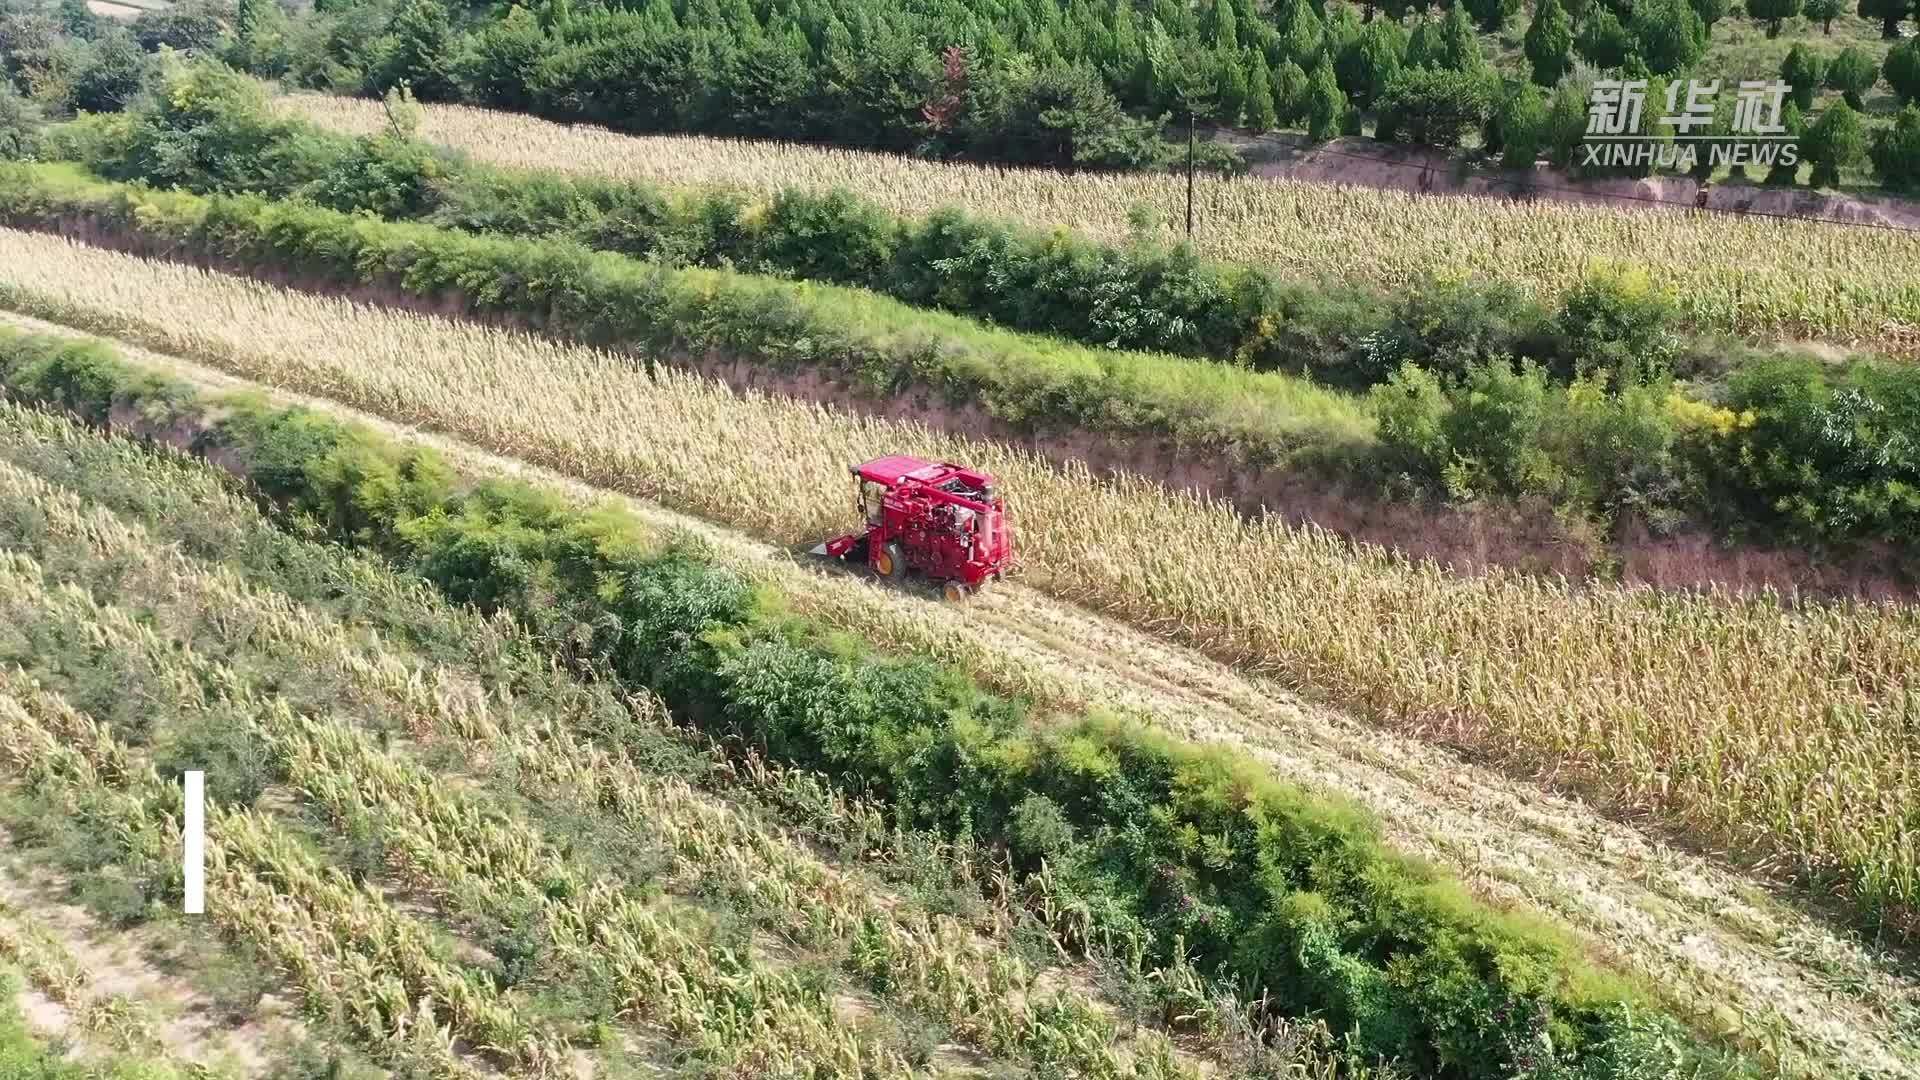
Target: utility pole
1189, 174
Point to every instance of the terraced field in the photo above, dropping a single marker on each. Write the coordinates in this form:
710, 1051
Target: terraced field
1761, 278
1714, 941
457, 860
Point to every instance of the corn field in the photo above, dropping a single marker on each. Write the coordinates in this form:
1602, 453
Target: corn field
1756, 277
1784, 731
732, 1008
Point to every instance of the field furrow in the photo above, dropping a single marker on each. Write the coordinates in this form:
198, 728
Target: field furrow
1716, 943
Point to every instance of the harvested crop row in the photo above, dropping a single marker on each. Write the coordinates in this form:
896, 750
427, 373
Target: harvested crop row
931, 964
1779, 731
343, 946
1705, 936
1750, 276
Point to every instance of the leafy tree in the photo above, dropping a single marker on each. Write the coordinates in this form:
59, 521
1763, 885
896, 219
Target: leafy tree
20, 122
1549, 42
1602, 41
115, 69
1262, 114
417, 49
1824, 12
1326, 105
259, 40
191, 26
1853, 74
1795, 122
1668, 34
1896, 151
1902, 70
1889, 12
1773, 13
1834, 143
1436, 106
1805, 71
77, 20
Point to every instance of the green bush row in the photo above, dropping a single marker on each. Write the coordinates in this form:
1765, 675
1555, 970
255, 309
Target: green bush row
212, 133
1787, 450
1164, 845
602, 298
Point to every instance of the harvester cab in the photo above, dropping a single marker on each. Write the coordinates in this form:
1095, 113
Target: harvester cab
944, 522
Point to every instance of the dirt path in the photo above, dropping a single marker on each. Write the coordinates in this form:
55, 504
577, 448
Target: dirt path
1712, 940
181, 1018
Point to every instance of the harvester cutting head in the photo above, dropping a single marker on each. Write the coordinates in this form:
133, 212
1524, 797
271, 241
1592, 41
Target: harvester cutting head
943, 521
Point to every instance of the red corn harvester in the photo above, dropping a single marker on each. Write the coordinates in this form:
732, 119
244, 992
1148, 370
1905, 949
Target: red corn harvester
945, 522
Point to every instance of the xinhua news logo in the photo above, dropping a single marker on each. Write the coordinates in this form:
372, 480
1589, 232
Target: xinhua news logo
1616, 136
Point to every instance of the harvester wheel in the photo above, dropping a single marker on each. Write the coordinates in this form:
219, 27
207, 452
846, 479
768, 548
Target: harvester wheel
955, 592
892, 562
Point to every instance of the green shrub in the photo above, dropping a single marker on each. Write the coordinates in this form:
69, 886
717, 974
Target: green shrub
1615, 321
1820, 456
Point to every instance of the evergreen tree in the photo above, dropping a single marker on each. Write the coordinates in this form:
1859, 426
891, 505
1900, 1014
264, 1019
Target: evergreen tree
1902, 70
1667, 34
1602, 41
1301, 31
1290, 93
1262, 114
1231, 75
1490, 15
769, 84
1326, 105
1824, 12
1549, 43
1566, 124
1459, 44
1368, 63
1782, 174
1423, 45
1522, 121
1834, 143
1896, 151
417, 50
1710, 12
1773, 13
1805, 71
1889, 13
1853, 74
1223, 26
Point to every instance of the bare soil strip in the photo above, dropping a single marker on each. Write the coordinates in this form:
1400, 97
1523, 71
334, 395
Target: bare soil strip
1713, 940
